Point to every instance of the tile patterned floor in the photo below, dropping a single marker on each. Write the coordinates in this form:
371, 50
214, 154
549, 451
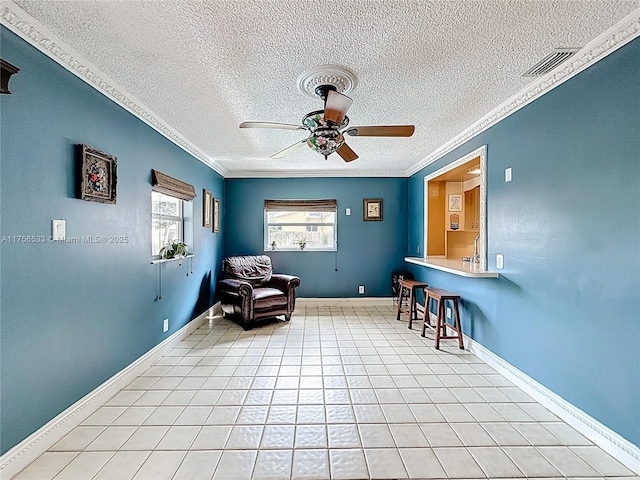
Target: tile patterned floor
337, 393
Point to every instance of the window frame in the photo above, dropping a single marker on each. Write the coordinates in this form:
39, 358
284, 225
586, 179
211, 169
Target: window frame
307, 207
481, 153
159, 216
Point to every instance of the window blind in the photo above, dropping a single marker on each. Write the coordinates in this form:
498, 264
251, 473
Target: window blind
325, 205
163, 183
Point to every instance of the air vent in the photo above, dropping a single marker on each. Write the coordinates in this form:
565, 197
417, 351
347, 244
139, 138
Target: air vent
550, 62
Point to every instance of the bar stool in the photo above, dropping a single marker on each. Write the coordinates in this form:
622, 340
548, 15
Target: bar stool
412, 287
441, 296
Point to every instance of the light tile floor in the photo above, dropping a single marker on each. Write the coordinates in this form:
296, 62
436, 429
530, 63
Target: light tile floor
337, 393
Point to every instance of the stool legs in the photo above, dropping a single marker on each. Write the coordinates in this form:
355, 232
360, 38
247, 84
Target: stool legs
425, 315
440, 320
409, 291
400, 297
458, 327
441, 324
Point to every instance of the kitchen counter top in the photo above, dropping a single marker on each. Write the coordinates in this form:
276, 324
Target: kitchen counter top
456, 267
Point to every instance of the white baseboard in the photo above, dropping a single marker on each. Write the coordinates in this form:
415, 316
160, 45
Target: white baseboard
338, 302
20, 456
611, 442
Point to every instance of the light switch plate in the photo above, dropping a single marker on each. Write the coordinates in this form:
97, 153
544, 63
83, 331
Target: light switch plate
507, 174
499, 261
58, 230
348, 211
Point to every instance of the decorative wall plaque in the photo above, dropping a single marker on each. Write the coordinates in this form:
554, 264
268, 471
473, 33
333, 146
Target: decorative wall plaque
96, 175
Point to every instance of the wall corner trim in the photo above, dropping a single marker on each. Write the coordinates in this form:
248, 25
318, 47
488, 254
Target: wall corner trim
25, 452
611, 442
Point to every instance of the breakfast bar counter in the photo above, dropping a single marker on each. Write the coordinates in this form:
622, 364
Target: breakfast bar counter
456, 267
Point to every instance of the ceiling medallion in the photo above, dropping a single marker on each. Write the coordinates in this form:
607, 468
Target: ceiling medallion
339, 77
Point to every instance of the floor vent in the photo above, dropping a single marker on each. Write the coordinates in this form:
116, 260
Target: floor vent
550, 62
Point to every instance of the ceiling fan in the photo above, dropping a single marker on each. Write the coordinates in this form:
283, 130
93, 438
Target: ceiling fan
327, 127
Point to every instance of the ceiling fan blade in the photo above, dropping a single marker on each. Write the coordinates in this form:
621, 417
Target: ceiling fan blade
289, 149
382, 131
336, 106
346, 153
281, 126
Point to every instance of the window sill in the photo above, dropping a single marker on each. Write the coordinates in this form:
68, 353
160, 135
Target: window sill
165, 260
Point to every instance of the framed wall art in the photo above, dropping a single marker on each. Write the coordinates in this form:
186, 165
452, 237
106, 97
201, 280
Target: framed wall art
372, 209
216, 215
96, 175
206, 208
455, 203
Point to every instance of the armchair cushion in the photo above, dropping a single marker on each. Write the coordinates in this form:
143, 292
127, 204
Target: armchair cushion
268, 297
253, 269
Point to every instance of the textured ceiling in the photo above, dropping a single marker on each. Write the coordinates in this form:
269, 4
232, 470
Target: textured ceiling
202, 67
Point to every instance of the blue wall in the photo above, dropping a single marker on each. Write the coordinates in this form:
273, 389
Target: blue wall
566, 308
367, 251
75, 314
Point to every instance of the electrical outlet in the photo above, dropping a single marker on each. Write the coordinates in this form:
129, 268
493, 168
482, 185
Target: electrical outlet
448, 312
165, 325
418, 249
361, 289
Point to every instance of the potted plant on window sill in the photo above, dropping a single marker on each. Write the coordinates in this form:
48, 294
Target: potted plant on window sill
175, 250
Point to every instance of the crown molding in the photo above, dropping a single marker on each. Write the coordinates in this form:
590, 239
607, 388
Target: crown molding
314, 174
608, 42
37, 35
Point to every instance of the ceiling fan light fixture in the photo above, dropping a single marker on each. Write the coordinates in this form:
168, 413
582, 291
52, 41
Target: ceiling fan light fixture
325, 140
336, 106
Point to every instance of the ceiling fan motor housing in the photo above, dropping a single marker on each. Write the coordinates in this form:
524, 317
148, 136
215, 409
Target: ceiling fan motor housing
315, 120
323, 90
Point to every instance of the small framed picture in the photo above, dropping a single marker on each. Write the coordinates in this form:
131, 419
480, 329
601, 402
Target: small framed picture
216, 215
96, 175
372, 209
455, 203
206, 208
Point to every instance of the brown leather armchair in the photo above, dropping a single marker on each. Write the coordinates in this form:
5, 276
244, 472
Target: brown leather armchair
250, 291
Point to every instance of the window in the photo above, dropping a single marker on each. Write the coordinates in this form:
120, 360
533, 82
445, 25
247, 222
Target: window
300, 224
171, 211
167, 223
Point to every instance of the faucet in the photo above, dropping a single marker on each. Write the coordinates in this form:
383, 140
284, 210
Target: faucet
476, 255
